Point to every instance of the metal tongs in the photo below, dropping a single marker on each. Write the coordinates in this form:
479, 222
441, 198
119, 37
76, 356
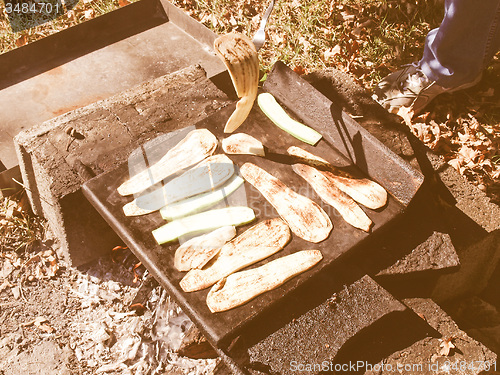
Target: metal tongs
260, 36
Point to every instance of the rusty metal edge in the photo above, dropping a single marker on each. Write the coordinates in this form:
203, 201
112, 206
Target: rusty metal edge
7, 184
188, 24
54, 50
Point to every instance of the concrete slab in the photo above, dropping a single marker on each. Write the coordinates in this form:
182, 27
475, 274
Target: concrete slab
435, 253
468, 357
54, 165
447, 203
93, 61
359, 323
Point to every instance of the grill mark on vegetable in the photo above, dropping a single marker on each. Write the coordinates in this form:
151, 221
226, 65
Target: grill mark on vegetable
304, 216
332, 195
243, 286
256, 243
198, 251
240, 58
363, 190
235, 53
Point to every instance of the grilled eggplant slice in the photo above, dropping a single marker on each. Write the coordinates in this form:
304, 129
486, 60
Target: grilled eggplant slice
198, 251
362, 190
242, 61
196, 146
329, 193
241, 287
259, 242
242, 143
305, 217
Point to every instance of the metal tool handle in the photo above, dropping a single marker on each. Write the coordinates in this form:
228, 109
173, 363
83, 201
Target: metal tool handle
260, 36
266, 15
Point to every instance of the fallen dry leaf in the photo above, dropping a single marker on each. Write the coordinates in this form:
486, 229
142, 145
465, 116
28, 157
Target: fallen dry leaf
330, 53
43, 265
71, 15
5, 285
468, 153
347, 16
305, 43
456, 163
299, 70
41, 323
353, 48
406, 113
122, 3
357, 31
446, 346
89, 13
33, 259
21, 41
45, 327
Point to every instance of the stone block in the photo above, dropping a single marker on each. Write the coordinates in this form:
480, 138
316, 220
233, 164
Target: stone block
467, 357
478, 263
446, 202
362, 322
479, 318
54, 164
435, 253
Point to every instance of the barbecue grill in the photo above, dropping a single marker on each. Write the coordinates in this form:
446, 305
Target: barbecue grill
345, 143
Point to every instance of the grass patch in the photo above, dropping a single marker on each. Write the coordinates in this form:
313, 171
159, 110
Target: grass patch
19, 230
368, 38
84, 10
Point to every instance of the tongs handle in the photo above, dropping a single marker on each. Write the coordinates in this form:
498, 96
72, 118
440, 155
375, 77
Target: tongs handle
266, 15
260, 36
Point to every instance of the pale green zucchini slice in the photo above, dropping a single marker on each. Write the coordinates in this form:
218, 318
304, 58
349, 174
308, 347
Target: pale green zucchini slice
208, 175
280, 118
204, 221
201, 202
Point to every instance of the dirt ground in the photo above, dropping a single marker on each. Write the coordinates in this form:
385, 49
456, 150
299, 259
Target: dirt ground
78, 321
